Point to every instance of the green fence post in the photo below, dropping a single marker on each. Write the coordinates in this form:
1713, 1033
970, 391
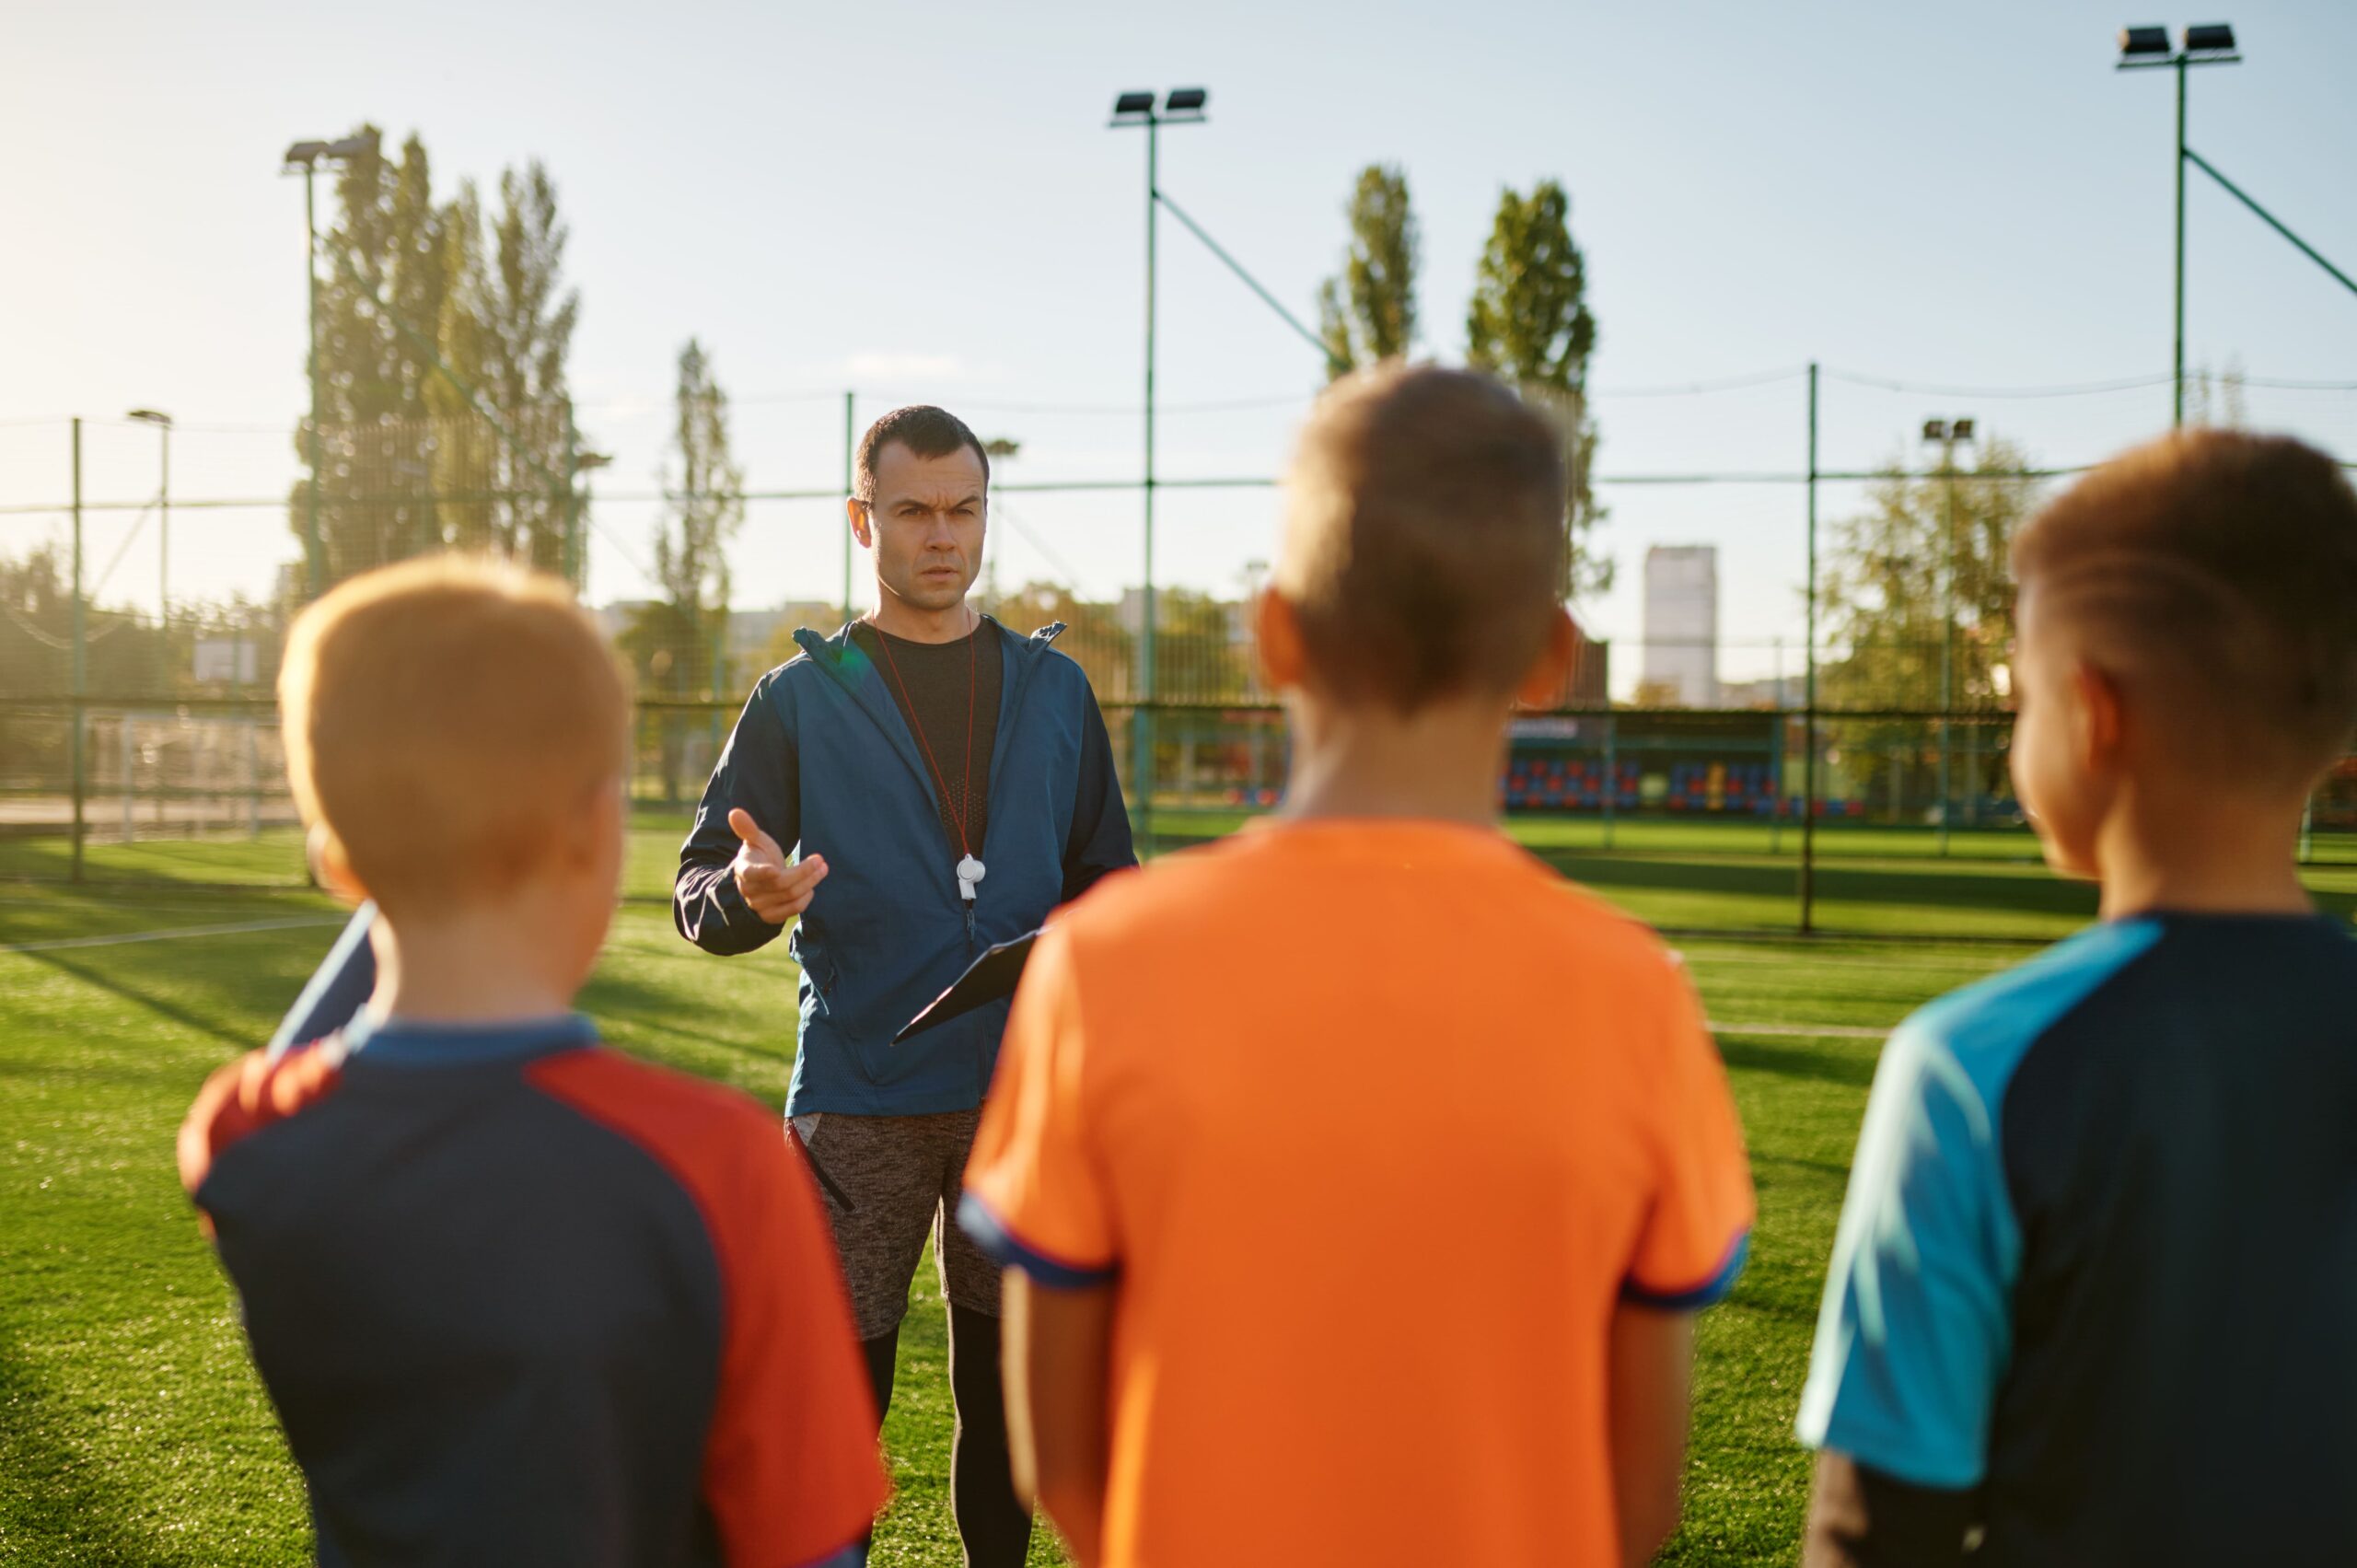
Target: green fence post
1611, 775
850, 400
81, 663
1808, 702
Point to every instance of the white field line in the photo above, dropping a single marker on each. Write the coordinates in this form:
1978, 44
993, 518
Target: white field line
1800, 1031
239, 928
1972, 961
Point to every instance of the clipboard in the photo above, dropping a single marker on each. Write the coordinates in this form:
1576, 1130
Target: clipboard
988, 979
336, 991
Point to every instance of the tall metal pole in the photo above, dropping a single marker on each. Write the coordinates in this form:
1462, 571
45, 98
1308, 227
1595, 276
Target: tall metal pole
315, 569
1808, 707
1142, 714
80, 639
850, 400
163, 539
1947, 637
2176, 378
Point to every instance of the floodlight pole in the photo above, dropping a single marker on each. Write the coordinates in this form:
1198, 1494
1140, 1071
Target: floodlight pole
1142, 716
2177, 360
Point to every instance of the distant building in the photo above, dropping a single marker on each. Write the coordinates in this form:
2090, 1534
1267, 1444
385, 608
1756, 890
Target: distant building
1680, 666
1781, 691
235, 661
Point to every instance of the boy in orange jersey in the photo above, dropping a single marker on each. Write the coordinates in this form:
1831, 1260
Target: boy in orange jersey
517, 1299
1356, 1178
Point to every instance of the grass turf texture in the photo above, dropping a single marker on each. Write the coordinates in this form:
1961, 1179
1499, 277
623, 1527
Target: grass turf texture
133, 1430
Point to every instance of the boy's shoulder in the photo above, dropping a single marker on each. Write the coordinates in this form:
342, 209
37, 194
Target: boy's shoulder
1982, 1032
676, 1117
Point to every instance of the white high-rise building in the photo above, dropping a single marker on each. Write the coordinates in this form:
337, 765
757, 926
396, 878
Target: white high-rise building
1681, 657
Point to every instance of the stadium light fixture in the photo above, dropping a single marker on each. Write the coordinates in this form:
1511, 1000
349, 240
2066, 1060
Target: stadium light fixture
306, 157
2147, 48
1180, 106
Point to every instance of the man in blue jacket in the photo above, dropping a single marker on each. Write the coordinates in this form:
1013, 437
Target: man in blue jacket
916, 787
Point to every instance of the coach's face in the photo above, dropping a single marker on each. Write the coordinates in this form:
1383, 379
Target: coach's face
925, 525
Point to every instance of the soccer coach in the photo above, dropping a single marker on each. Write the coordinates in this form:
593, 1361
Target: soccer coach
916, 787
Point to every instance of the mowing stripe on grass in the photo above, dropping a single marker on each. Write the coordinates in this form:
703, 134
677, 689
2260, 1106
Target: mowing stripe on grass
237, 928
1798, 1031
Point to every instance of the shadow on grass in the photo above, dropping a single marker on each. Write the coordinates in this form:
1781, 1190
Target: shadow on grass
1855, 1070
55, 1504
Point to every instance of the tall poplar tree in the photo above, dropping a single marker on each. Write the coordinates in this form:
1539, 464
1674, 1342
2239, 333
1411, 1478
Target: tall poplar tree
1367, 312
1528, 322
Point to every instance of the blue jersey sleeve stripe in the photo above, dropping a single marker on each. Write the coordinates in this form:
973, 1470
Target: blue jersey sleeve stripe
1011, 1251
1693, 1298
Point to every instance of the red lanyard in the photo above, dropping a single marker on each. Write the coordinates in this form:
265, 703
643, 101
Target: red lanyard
966, 775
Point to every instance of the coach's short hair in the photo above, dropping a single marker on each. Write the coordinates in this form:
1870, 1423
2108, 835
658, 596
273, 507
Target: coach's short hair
443, 719
927, 430
2221, 568
1423, 535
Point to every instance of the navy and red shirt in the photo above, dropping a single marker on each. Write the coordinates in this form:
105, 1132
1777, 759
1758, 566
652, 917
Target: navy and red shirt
2097, 1269
519, 1299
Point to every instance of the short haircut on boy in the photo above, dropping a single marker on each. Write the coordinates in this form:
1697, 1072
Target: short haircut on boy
443, 719
927, 430
1423, 535
2224, 566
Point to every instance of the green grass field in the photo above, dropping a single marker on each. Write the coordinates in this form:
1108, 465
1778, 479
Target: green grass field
133, 1431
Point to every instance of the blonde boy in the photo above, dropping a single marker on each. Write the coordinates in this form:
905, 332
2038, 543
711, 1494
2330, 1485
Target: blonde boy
1358, 1179
517, 1299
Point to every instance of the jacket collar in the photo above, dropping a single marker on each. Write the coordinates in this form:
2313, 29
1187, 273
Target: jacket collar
851, 668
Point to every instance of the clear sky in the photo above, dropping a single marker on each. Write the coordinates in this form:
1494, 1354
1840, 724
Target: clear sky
924, 201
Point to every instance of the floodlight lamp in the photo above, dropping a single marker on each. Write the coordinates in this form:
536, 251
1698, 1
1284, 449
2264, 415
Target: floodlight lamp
584, 461
1935, 430
1134, 103
305, 152
2211, 38
362, 146
150, 417
2143, 44
1186, 100
1960, 430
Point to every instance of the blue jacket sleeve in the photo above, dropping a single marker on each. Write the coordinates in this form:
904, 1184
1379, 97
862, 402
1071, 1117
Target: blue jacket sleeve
759, 771
1099, 841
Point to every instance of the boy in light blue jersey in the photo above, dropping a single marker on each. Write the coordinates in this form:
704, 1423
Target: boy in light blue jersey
2093, 1297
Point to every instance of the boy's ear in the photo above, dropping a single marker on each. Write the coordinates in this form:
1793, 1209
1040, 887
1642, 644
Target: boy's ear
598, 821
331, 866
1277, 641
2098, 719
1553, 668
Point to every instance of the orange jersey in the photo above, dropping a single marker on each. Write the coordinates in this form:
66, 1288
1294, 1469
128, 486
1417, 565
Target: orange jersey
1372, 1126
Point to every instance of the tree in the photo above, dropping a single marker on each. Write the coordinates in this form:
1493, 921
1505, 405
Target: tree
517, 329
1094, 636
1884, 597
675, 643
1368, 312
396, 436
1528, 321
375, 444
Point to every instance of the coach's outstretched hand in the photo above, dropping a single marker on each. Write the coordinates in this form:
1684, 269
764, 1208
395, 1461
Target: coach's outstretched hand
776, 891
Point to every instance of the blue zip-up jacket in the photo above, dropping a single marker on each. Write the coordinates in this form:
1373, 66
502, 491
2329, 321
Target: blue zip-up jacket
886, 933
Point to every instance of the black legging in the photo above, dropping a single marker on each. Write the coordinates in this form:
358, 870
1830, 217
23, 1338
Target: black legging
993, 1523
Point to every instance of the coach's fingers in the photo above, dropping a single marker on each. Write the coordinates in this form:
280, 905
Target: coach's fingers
741, 823
798, 880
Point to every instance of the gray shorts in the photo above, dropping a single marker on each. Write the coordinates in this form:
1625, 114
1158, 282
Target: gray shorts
889, 1181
